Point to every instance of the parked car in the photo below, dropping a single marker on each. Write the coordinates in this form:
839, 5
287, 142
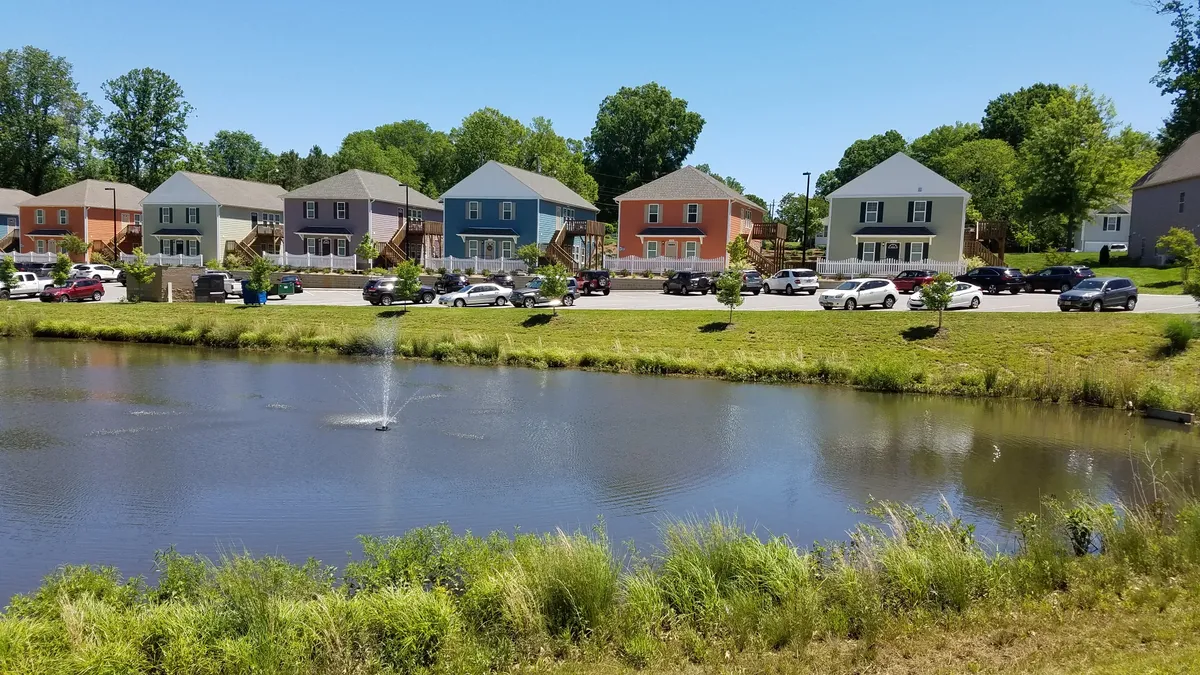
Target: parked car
995, 279
1061, 278
40, 269
1118, 248
450, 282
531, 295
792, 281
477, 294
295, 281
861, 293
121, 277
98, 272
232, 286
752, 282
1099, 293
962, 295
501, 278
687, 281
594, 281
911, 281
76, 289
24, 285
382, 291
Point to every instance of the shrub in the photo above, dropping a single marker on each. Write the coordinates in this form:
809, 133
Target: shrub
469, 271
646, 274
622, 272
1052, 258
1179, 331
974, 262
1105, 256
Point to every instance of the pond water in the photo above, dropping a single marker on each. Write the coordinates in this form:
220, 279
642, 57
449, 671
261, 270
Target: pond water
108, 452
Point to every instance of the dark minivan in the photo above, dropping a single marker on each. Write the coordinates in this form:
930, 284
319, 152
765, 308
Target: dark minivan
1100, 293
995, 279
1061, 278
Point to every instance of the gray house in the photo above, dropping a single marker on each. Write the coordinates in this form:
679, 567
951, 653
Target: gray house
197, 214
331, 216
1167, 196
1104, 228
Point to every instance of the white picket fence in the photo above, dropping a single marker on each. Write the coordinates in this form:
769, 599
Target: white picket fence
635, 264
477, 264
329, 262
883, 268
167, 260
31, 257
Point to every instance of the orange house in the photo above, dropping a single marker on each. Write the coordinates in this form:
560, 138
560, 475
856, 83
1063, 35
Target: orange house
684, 214
85, 210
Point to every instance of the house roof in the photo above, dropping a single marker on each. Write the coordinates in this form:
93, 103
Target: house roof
317, 229
234, 192
1116, 209
359, 184
494, 180
10, 198
92, 194
177, 232
885, 230
495, 231
686, 183
48, 233
672, 231
1182, 164
899, 176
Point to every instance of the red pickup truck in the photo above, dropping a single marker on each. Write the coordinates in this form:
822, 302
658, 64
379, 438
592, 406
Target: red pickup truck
76, 289
911, 281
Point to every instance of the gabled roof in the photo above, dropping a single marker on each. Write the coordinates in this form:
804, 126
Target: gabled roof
1182, 164
686, 183
359, 184
233, 192
1114, 209
899, 176
92, 194
10, 198
494, 180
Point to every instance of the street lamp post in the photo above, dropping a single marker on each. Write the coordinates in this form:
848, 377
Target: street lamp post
804, 234
113, 190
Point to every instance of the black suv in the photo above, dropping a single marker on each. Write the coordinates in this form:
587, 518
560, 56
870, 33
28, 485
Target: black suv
995, 279
1061, 278
383, 292
593, 281
504, 279
450, 282
686, 282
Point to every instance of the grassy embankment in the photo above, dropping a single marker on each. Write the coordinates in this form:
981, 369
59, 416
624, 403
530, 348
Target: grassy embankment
1165, 280
1106, 359
1090, 589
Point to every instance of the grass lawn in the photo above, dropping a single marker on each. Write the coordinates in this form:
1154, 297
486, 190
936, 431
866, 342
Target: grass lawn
1165, 280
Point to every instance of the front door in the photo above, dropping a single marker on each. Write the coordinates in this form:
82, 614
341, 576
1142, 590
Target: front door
672, 250
326, 247
891, 251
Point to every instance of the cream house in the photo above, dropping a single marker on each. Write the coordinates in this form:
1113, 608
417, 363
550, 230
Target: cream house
196, 214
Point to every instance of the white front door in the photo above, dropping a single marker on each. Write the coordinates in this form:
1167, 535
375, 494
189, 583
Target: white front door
672, 250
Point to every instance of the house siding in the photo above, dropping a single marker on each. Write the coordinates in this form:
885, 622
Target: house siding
385, 220
236, 224
1155, 210
358, 221
714, 222
9, 221
1091, 235
947, 225
742, 225
526, 221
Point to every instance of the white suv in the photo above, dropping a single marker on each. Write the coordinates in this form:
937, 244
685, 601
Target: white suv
790, 282
98, 272
861, 293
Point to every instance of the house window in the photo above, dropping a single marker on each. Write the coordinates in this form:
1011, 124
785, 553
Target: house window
917, 252
164, 215
310, 210
137, 219
869, 250
124, 217
41, 245
1112, 223
871, 212
192, 215
340, 211
416, 214
506, 250
506, 210
1181, 196
568, 215
689, 249
692, 213
341, 247
652, 249
39, 217
310, 245
919, 211
164, 245
653, 213
62, 216
472, 248
193, 247
472, 210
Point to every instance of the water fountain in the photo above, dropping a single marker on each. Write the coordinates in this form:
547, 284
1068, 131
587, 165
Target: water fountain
383, 350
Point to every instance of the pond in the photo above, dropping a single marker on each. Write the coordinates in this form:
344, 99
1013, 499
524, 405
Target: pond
108, 452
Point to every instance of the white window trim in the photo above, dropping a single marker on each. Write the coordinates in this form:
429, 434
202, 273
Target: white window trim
63, 217
871, 216
920, 208
341, 247
512, 211
687, 214
310, 245
193, 247
187, 215
568, 214
310, 210
39, 217
506, 249
1110, 224
472, 208
340, 211
472, 248
868, 250
164, 215
913, 250
41, 245
694, 245
416, 214
137, 219
124, 217
653, 214
653, 244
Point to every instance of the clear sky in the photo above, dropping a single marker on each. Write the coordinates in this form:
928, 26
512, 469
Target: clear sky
784, 86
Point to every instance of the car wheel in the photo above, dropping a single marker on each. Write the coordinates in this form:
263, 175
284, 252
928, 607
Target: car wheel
788, 290
826, 307
813, 292
605, 291
705, 292
427, 298
666, 290
460, 303
766, 289
851, 304
500, 301
915, 289
3, 295
529, 303
1065, 309
64, 298
993, 290
386, 300
1097, 306
685, 291
587, 290
1130, 304
282, 297
889, 302
1028, 288
1064, 288
1015, 291
96, 277
568, 300
757, 291
975, 302
96, 296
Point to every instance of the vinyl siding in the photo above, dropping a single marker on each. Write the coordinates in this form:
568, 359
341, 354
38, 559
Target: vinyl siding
385, 220
358, 221
714, 222
527, 221
235, 225
5, 225
1155, 210
947, 225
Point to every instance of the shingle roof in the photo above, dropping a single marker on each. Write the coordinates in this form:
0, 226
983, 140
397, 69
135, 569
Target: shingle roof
495, 231
1116, 208
91, 193
359, 184
899, 176
319, 229
1182, 164
887, 230
686, 183
176, 232
10, 198
672, 232
548, 188
234, 192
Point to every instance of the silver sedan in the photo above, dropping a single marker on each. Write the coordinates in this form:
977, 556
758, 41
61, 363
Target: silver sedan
477, 294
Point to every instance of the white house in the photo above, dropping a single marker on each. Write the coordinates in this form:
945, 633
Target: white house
1105, 228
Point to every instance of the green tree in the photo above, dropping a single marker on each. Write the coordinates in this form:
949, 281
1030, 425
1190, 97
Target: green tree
1179, 73
486, 134
931, 148
641, 133
737, 252
145, 132
547, 153
728, 180
8, 271
260, 274
317, 166
236, 154
937, 294
1008, 117
74, 245
289, 170
987, 168
432, 150
554, 284
408, 280
194, 158
367, 250
761, 202
139, 271
61, 271
529, 254
43, 118
360, 150
1181, 244
791, 212
729, 289
862, 156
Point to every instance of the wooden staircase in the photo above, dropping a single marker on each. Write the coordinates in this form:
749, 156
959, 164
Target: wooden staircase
557, 252
8, 241
392, 250
766, 262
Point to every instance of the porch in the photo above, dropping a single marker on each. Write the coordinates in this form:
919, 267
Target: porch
177, 241
325, 242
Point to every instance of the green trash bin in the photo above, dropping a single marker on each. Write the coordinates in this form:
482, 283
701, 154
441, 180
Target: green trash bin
283, 289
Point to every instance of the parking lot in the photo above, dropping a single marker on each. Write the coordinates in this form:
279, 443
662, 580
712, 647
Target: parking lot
1024, 302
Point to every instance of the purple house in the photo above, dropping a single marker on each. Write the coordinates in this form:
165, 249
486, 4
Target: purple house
331, 216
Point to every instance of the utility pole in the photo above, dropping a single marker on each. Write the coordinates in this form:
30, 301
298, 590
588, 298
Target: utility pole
804, 233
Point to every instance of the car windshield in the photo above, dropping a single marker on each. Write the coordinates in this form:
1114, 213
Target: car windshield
908, 274
849, 286
1089, 284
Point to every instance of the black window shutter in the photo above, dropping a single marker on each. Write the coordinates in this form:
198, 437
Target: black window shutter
907, 251
929, 212
1118, 223
910, 211
316, 205
879, 217
862, 218
860, 250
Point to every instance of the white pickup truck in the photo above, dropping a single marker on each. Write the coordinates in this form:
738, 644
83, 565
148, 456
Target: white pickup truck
232, 286
24, 285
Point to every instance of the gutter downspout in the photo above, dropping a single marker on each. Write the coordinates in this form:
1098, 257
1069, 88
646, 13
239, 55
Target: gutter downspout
220, 249
85, 232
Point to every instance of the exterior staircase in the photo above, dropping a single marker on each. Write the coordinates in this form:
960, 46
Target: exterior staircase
9, 241
392, 250
986, 240
557, 252
766, 262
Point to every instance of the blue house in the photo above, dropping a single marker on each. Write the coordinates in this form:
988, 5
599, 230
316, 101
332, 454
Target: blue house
10, 217
499, 208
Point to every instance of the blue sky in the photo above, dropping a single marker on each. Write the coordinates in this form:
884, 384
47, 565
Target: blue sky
784, 87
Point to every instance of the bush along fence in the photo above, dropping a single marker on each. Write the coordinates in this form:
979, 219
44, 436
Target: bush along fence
432, 600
